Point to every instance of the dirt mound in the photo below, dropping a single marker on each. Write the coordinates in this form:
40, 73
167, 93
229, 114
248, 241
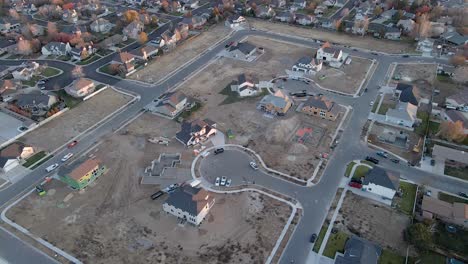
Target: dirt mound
298, 149
281, 130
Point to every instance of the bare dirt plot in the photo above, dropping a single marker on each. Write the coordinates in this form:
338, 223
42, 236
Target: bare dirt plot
136, 230
344, 39
272, 138
63, 128
373, 221
413, 72
346, 79
446, 87
164, 65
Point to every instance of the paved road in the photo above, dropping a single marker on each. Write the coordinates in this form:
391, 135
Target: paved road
315, 201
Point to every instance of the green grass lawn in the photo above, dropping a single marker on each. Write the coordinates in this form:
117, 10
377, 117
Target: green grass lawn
42, 161
409, 194
34, 158
349, 168
376, 103
89, 60
100, 86
433, 127
336, 243
360, 171
70, 101
320, 237
450, 198
458, 172
383, 109
431, 258
106, 69
457, 242
390, 257
48, 72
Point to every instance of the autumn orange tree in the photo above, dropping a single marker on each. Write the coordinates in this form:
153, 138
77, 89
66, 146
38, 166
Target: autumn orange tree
142, 38
452, 131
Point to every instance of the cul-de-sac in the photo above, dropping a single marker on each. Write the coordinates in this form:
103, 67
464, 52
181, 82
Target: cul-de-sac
234, 131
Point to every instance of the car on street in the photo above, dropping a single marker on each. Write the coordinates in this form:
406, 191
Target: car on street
254, 165
223, 181
372, 159
42, 87
313, 238
218, 151
395, 161
432, 162
41, 82
405, 56
462, 194
52, 167
228, 183
371, 103
217, 181
382, 154
67, 157
72, 144
355, 185
429, 193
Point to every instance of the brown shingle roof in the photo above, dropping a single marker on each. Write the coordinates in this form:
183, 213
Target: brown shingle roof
81, 83
13, 150
84, 168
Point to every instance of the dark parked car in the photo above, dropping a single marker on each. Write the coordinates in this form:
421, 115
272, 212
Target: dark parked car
355, 185
218, 151
313, 238
462, 194
356, 180
405, 56
372, 159
395, 160
432, 162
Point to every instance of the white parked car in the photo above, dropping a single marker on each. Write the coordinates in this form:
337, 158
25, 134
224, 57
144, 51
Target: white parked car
67, 157
371, 103
223, 180
254, 165
228, 183
171, 188
52, 167
217, 181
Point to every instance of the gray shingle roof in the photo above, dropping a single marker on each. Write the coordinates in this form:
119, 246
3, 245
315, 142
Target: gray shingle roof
381, 177
274, 100
182, 198
407, 94
359, 251
243, 47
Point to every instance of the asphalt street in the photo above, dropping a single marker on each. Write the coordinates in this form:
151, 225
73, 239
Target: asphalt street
316, 200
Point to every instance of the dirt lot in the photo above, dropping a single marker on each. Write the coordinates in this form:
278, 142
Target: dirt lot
63, 128
373, 221
420, 75
347, 79
446, 87
116, 222
354, 41
249, 125
399, 147
164, 65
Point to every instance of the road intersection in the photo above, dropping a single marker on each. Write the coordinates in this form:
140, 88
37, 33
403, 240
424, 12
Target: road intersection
315, 200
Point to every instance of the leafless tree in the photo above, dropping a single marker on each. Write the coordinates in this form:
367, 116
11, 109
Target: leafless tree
24, 47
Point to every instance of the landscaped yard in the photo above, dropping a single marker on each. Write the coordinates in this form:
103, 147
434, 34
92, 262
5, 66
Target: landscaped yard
459, 172
320, 237
360, 171
89, 60
349, 168
409, 193
376, 103
456, 242
389, 257
34, 158
336, 243
451, 199
69, 100
433, 127
48, 72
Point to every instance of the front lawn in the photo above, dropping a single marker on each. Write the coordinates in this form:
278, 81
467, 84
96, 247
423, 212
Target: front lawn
390, 257
320, 237
107, 69
450, 198
458, 172
383, 108
407, 200
376, 103
336, 243
34, 158
49, 72
89, 60
349, 168
69, 100
360, 172
431, 258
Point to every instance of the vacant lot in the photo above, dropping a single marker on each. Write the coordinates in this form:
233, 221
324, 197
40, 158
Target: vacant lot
275, 139
446, 87
344, 39
373, 221
73, 122
422, 75
346, 79
115, 221
164, 65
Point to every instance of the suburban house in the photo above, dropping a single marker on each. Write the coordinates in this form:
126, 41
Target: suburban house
320, 106
125, 62
35, 102
426, 46
392, 33
235, 21
194, 21
264, 11
285, 16
82, 53
242, 50
406, 24
246, 85
56, 48
11, 155
404, 114
192, 4
80, 88
406, 93
172, 104
277, 104
169, 38
358, 250
81, 173
195, 132
8, 24
308, 65
458, 101
70, 16
25, 73
305, 20
7, 90
101, 25
133, 29
455, 38
297, 5
457, 116
452, 213
381, 182
334, 57
189, 203
145, 53
36, 30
